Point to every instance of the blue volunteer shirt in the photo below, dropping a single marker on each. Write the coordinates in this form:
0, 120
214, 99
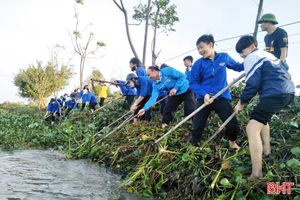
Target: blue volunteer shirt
53, 107
188, 73
126, 90
85, 97
140, 71
93, 98
144, 86
170, 78
60, 101
71, 103
210, 76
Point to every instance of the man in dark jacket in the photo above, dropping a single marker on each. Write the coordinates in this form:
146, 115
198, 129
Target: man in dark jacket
267, 76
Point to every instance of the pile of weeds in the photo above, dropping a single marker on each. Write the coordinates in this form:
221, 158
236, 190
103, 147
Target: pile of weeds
172, 169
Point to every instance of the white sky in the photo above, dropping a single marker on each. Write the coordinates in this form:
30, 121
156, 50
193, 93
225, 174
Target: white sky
29, 28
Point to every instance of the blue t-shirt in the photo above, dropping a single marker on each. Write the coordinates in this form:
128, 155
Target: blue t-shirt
275, 41
188, 73
140, 71
53, 107
126, 90
93, 98
71, 103
210, 76
170, 78
144, 86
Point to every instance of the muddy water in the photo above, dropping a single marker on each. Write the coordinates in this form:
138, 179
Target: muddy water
43, 175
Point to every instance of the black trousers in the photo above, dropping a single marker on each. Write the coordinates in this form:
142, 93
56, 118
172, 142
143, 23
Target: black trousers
224, 109
68, 111
92, 105
101, 103
52, 117
128, 101
83, 106
147, 115
173, 103
163, 104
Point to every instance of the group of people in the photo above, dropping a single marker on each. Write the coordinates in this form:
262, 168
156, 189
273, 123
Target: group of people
66, 103
266, 74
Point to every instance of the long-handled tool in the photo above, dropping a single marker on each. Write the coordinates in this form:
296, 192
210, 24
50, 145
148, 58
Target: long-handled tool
106, 105
103, 81
106, 127
118, 119
219, 130
200, 108
131, 117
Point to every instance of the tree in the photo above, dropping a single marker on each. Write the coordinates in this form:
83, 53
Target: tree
158, 14
81, 47
37, 83
54, 59
260, 6
124, 11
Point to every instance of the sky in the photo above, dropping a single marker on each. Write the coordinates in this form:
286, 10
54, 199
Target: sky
30, 29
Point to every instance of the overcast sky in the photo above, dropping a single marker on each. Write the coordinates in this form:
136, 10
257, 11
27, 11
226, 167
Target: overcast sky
30, 28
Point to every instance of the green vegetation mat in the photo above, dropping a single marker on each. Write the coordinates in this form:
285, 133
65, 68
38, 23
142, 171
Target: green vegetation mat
174, 169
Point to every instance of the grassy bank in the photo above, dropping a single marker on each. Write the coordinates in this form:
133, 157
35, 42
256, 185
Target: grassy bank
172, 170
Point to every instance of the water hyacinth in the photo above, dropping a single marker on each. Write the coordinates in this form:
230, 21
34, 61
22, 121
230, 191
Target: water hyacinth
172, 169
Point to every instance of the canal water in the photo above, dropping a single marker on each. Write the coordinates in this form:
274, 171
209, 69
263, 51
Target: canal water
43, 175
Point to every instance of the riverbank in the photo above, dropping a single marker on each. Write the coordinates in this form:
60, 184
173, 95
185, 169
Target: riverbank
172, 170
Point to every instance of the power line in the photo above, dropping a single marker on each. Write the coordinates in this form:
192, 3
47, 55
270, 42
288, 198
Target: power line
225, 39
290, 43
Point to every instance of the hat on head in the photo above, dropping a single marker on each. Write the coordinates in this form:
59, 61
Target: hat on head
269, 17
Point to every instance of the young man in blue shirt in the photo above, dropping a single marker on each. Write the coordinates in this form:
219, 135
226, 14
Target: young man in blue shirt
135, 65
85, 96
188, 62
177, 86
127, 91
93, 101
70, 104
208, 77
143, 87
267, 76
53, 110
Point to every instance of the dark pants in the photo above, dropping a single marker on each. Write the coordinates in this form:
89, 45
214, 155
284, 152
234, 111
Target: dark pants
147, 115
163, 104
83, 106
128, 101
92, 105
224, 109
101, 103
68, 111
173, 103
52, 117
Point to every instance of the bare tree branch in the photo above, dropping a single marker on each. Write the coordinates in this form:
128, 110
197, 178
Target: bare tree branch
118, 5
146, 32
122, 8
